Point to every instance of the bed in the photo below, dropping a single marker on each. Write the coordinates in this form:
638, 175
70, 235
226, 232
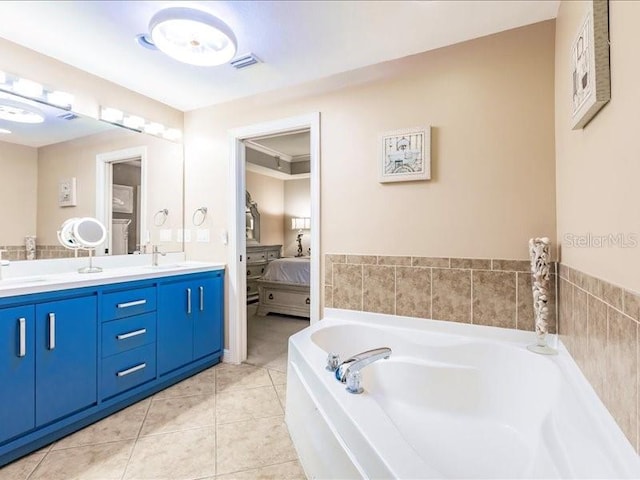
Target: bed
285, 287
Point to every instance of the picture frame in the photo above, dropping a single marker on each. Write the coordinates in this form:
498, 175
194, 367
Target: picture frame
405, 155
589, 62
67, 192
122, 199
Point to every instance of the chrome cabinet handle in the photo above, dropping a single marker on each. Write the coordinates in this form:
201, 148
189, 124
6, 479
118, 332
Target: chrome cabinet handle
131, 304
202, 299
124, 336
52, 331
22, 328
129, 371
188, 300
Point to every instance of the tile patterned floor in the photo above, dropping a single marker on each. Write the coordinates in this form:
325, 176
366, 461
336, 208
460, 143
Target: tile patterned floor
224, 423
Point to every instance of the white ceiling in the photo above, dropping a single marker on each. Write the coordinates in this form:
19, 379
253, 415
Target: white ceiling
297, 40
294, 145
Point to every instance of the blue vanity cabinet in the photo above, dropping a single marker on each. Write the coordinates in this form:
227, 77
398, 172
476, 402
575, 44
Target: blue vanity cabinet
17, 364
190, 320
66, 357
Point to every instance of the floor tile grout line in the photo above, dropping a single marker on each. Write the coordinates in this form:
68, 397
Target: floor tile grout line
256, 468
39, 463
135, 441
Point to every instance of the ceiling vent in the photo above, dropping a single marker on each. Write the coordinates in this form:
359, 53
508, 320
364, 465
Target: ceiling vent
68, 116
245, 61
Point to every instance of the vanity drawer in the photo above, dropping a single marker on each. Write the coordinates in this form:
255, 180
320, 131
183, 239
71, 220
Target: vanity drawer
127, 370
128, 333
128, 303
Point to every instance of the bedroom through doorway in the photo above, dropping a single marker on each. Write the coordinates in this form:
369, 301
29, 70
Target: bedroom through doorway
278, 244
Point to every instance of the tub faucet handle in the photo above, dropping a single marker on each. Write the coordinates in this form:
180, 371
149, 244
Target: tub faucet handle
333, 361
353, 382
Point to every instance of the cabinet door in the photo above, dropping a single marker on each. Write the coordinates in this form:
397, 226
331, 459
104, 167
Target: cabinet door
207, 328
17, 371
176, 310
66, 357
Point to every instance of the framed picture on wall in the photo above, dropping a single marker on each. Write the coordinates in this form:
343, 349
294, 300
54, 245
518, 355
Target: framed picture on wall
406, 155
122, 199
590, 76
67, 192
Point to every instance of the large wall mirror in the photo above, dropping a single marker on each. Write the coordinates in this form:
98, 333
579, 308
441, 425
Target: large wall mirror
56, 165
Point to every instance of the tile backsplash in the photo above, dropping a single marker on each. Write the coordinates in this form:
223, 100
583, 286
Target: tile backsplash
492, 292
599, 326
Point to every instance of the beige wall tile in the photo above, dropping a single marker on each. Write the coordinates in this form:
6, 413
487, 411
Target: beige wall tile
612, 295
451, 295
474, 263
328, 297
329, 260
594, 363
553, 315
621, 383
494, 298
378, 289
525, 314
431, 262
511, 265
394, 260
347, 288
362, 259
632, 304
413, 292
565, 319
563, 271
579, 334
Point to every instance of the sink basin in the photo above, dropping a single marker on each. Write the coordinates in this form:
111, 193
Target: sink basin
21, 281
166, 266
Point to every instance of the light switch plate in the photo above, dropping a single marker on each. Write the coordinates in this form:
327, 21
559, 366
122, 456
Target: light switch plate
203, 235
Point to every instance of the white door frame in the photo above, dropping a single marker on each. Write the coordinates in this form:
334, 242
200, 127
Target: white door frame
104, 178
237, 351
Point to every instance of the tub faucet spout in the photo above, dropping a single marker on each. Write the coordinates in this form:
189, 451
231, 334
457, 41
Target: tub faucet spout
349, 371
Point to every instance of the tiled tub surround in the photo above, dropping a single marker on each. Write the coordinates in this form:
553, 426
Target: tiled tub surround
492, 292
14, 252
599, 325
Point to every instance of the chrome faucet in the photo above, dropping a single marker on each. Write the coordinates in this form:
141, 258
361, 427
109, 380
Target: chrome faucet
3, 263
154, 255
349, 371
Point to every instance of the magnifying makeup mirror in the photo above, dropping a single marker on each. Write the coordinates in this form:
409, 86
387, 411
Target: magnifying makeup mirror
84, 233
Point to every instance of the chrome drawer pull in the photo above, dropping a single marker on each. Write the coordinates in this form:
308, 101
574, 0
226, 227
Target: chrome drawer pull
52, 331
202, 299
131, 304
188, 300
22, 327
131, 370
124, 336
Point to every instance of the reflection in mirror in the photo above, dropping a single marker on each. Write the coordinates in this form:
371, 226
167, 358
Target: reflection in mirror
51, 172
253, 221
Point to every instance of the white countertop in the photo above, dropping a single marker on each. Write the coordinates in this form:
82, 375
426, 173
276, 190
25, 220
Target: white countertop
47, 282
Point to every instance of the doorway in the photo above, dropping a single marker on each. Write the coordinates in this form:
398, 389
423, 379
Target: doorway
121, 200
238, 252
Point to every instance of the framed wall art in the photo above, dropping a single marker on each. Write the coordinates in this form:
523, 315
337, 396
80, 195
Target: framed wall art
406, 155
590, 76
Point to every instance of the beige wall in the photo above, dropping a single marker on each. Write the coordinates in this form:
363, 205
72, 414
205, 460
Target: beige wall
297, 203
598, 168
18, 192
490, 102
268, 193
77, 158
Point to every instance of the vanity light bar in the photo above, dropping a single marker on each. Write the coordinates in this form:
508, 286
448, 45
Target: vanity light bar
35, 91
139, 124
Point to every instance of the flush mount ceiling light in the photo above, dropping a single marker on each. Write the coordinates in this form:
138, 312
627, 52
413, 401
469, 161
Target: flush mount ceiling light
16, 112
192, 36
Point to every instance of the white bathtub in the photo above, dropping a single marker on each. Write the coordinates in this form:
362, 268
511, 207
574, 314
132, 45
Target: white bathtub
453, 401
